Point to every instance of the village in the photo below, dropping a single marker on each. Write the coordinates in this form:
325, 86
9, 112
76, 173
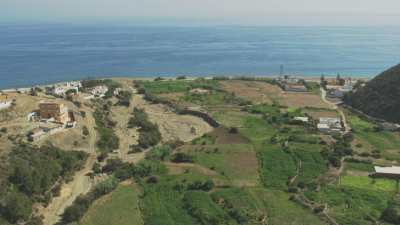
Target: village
58, 114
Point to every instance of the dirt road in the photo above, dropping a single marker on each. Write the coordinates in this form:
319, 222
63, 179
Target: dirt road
335, 107
80, 184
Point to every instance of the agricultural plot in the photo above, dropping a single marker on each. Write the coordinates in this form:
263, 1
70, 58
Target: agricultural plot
352, 205
368, 139
238, 163
255, 91
119, 207
363, 182
280, 210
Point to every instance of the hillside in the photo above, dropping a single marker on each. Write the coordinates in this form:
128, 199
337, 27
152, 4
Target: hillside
380, 97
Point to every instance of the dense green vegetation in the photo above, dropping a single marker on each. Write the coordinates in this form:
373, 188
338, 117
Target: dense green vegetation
379, 97
108, 140
352, 205
33, 175
149, 135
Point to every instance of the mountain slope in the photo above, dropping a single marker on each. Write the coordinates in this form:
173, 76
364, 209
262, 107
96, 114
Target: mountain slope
380, 97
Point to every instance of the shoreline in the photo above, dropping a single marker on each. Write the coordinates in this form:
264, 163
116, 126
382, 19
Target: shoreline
189, 77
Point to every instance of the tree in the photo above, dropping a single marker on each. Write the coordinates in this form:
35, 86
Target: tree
18, 207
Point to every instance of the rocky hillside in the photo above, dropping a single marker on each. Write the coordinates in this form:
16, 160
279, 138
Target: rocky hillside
380, 97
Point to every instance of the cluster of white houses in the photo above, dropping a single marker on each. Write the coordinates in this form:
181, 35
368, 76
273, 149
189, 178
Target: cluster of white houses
96, 92
62, 89
328, 125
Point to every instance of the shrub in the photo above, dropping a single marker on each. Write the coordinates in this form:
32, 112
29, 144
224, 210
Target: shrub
85, 131
182, 158
233, 130
83, 114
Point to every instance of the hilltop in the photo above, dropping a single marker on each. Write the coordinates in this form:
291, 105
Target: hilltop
379, 97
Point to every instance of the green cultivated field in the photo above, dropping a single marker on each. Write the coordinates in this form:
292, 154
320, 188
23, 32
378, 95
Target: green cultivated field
384, 142
352, 206
119, 207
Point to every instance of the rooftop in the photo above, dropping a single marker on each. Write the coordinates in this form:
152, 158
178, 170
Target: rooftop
388, 170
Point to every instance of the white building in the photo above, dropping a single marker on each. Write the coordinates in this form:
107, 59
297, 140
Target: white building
5, 101
387, 171
330, 125
99, 91
62, 88
302, 119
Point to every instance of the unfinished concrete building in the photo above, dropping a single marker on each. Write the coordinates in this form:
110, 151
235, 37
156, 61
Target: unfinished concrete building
57, 111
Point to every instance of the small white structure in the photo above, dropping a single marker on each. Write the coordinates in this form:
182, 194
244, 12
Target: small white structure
5, 101
390, 170
117, 91
302, 119
32, 116
387, 171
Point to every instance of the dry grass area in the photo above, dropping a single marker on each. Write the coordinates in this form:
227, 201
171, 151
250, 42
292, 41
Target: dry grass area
171, 125
300, 100
258, 92
261, 92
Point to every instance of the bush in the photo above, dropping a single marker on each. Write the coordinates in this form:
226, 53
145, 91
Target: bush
233, 130
85, 131
201, 185
124, 98
181, 78
182, 158
83, 114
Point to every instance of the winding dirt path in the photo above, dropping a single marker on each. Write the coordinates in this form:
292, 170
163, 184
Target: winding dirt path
81, 183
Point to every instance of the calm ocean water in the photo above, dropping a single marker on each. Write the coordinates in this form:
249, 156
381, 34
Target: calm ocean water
37, 54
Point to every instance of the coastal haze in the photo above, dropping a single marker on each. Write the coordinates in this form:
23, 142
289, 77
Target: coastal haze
40, 54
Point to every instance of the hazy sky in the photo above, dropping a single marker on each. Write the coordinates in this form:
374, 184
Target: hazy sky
257, 12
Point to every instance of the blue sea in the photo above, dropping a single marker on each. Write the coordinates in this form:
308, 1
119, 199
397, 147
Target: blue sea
40, 54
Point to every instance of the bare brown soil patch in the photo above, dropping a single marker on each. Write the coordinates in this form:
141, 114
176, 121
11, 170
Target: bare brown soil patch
224, 137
